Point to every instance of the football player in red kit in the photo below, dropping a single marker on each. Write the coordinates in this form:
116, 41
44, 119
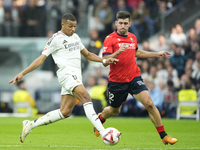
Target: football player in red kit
125, 77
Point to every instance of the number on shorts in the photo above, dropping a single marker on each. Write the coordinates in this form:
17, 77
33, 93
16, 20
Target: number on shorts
75, 77
111, 96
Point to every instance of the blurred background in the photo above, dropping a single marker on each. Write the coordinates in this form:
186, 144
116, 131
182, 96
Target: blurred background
172, 25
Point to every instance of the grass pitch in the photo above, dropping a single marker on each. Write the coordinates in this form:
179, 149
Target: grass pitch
76, 133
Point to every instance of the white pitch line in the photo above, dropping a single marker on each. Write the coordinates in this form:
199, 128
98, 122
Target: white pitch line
37, 146
68, 146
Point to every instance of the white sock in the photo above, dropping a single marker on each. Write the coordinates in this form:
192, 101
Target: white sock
50, 117
92, 116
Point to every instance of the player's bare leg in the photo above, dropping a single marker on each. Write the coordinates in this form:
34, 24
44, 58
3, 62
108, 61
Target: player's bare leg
110, 112
67, 105
145, 99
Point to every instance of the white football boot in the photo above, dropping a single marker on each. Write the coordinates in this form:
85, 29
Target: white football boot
26, 130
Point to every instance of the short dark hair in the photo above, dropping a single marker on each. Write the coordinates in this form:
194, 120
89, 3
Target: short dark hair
170, 83
123, 15
188, 85
68, 16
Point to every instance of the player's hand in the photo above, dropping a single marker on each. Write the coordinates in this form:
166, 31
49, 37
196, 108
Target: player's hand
109, 61
164, 54
123, 47
16, 79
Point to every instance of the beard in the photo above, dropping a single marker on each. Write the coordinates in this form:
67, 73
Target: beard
122, 31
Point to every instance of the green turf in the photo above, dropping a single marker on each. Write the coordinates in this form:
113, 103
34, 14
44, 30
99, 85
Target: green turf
77, 133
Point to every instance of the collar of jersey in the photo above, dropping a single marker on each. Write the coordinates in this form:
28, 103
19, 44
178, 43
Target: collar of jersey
120, 34
59, 32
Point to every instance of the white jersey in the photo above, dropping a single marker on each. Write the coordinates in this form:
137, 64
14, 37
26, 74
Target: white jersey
65, 51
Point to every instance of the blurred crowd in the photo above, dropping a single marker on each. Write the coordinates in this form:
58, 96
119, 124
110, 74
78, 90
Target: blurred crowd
33, 18
40, 18
146, 15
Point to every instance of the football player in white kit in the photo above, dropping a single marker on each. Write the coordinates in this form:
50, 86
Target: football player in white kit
66, 49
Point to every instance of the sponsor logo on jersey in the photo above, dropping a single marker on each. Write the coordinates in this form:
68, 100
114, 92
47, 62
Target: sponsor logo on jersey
130, 45
118, 39
72, 46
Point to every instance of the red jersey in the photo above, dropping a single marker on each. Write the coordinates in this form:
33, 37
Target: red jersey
126, 69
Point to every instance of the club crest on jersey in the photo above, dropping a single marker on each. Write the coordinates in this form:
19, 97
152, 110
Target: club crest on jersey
131, 39
75, 37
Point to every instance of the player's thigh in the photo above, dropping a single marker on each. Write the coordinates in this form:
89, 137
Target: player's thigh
117, 93
116, 99
81, 93
144, 97
67, 104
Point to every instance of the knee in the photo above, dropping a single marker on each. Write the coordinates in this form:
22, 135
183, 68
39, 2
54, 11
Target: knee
66, 113
149, 105
86, 98
115, 112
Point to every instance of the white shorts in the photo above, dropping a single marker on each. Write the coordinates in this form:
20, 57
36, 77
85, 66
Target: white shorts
69, 83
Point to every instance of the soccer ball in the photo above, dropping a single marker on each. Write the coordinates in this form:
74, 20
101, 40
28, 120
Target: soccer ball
111, 136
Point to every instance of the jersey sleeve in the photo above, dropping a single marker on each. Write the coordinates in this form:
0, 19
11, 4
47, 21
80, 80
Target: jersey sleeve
136, 47
50, 47
107, 46
135, 39
81, 44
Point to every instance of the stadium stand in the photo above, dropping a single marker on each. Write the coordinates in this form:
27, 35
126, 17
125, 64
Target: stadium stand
16, 53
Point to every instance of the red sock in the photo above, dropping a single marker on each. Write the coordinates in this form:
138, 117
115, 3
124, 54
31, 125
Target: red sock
161, 131
102, 119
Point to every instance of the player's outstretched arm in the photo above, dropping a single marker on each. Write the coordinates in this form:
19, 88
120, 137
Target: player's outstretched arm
164, 54
94, 57
109, 61
118, 52
35, 64
144, 54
